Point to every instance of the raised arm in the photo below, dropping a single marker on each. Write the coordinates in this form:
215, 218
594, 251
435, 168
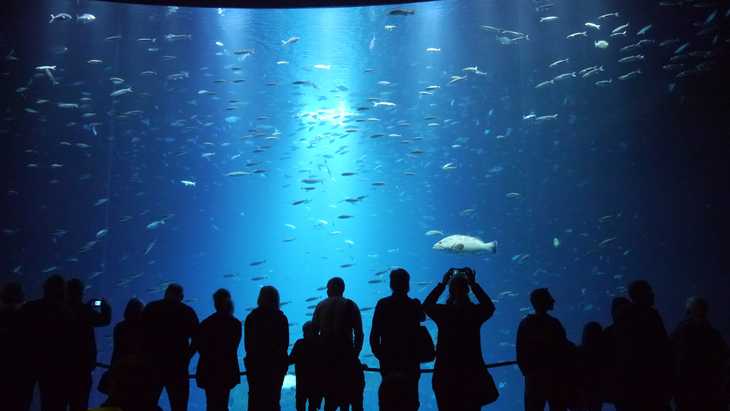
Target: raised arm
101, 318
486, 306
433, 297
430, 303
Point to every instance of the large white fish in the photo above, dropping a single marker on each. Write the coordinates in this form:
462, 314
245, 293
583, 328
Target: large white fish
459, 243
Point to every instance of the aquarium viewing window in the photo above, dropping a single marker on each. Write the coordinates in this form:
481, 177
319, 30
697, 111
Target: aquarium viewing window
492, 159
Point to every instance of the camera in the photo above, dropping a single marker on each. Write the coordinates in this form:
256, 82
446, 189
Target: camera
459, 271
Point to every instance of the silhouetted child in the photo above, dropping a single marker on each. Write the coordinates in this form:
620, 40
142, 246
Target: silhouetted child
588, 373
306, 355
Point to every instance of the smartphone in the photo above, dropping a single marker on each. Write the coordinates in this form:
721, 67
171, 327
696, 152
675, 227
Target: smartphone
96, 303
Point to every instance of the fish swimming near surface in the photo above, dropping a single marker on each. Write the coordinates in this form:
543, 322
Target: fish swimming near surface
402, 12
459, 244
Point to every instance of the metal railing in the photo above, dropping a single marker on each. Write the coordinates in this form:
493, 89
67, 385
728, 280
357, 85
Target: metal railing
368, 369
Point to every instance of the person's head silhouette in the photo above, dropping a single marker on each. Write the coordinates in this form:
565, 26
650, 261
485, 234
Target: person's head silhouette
133, 310
697, 308
592, 334
641, 293
174, 292
458, 289
222, 301
75, 290
54, 289
542, 301
399, 281
335, 287
268, 298
619, 305
309, 329
12, 294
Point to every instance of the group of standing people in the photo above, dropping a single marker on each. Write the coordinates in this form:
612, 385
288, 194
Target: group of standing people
50, 342
633, 363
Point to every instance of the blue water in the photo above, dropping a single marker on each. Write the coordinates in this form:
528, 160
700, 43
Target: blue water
625, 182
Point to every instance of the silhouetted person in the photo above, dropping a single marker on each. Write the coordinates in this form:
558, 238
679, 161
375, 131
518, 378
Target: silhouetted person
266, 338
340, 327
46, 325
644, 356
129, 333
701, 354
82, 353
307, 355
217, 343
459, 362
543, 355
589, 361
613, 386
15, 378
127, 378
169, 326
394, 334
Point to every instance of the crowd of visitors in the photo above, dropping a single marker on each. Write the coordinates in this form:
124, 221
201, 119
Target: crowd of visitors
633, 363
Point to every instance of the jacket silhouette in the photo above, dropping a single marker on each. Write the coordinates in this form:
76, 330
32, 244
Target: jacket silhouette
169, 326
588, 395
217, 343
340, 327
459, 361
127, 381
129, 333
644, 356
266, 339
613, 390
394, 335
544, 355
16, 380
49, 319
700, 354
83, 344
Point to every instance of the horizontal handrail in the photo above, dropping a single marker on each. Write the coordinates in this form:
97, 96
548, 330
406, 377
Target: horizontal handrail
369, 369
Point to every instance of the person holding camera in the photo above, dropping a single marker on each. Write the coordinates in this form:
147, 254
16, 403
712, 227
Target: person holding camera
82, 348
461, 381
